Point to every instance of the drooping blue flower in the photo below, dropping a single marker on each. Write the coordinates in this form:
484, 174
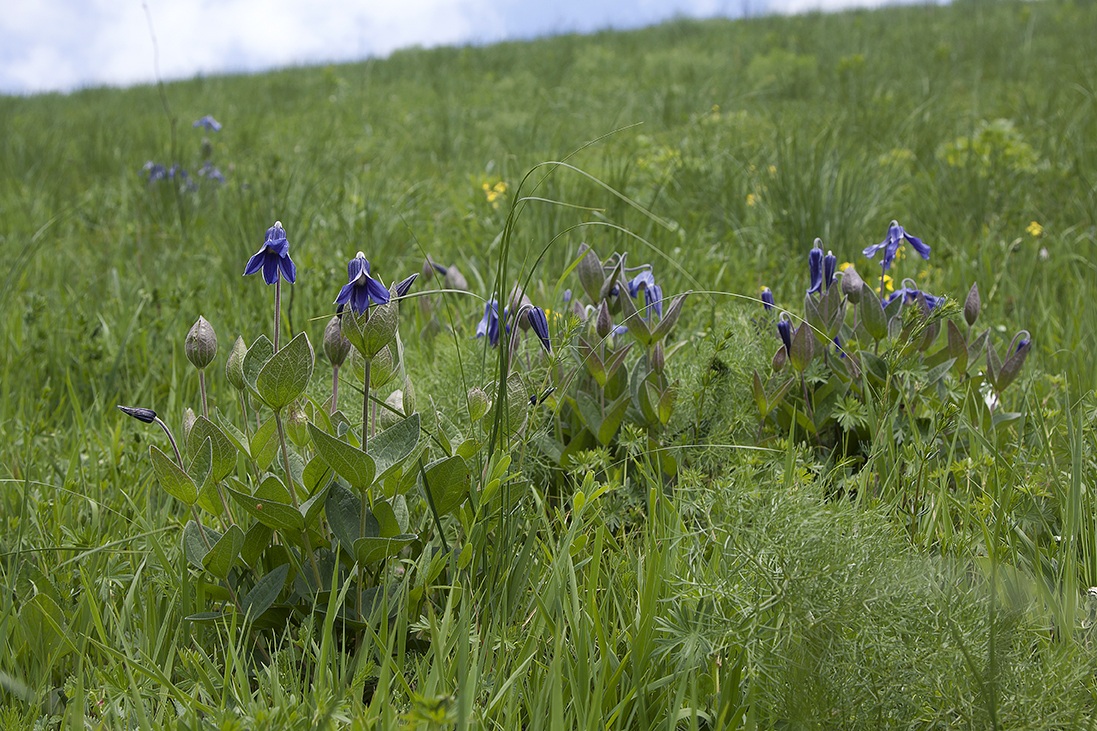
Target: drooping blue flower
815, 266
361, 289
273, 257
209, 171
539, 322
767, 298
155, 171
784, 329
643, 279
896, 235
653, 299
208, 123
910, 294
830, 266
489, 324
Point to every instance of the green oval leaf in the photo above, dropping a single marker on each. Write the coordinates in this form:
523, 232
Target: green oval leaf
391, 447
257, 356
172, 479
223, 554
270, 505
447, 482
266, 590
285, 376
374, 548
353, 465
223, 458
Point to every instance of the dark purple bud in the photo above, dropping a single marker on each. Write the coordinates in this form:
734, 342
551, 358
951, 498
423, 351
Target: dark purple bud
815, 266
404, 285
539, 322
767, 298
784, 329
146, 415
830, 265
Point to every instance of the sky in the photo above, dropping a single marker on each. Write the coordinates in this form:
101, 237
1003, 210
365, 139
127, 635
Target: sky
63, 45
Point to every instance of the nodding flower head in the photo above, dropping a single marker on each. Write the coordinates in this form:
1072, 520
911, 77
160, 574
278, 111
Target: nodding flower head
830, 266
644, 279
273, 257
784, 329
489, 324
767, 298
910, 292
146, 415
208, 123
815, 266
539, 322
361, 289
653, 299
890, 245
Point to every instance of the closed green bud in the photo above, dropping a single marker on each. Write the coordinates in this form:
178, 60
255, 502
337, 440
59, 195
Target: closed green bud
603, 324
972, 305
591, 274
382, 368
201, 344
658, 357
234, 368
478, 404
851, 284
336, 347
188, 422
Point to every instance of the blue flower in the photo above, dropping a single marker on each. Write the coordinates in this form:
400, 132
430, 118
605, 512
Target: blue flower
208, 123
404, 285
643, 279
767, 298
910, 294
890, 245
815, 266
539, 322
489, 324
155, 171
273, 257
653, 298
209, 171
361, 288
830, 264
784, 329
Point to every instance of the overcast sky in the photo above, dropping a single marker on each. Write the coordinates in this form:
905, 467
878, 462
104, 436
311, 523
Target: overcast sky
61, 45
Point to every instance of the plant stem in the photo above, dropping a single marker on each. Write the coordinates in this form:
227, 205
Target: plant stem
202, 389
334, 389
293, 494
277, 310
365, 403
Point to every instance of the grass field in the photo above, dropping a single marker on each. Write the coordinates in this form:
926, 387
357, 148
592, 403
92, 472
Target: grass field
923, 571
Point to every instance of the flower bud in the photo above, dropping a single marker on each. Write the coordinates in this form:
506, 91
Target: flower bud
201, 344
767, 298
972, 305
603, 324
851, 284
336, 347
382, 368
658, 357
478, 404
395, 402
454, 279
147, 416
188, 422
409, 396
591, 274
234, 367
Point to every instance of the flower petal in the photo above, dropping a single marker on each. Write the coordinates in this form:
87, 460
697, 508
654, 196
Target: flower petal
255, 263
270, 269
289, 269
377, 291
920, 247
344, 294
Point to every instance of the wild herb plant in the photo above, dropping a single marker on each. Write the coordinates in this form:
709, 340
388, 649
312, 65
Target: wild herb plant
296, 507
861, 369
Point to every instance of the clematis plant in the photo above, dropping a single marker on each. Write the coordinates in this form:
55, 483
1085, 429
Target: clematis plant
867, 364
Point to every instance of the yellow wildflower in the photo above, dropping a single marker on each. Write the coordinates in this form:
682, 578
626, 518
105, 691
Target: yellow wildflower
751, 199
772, 170
494, 192
1035, 230
844, 266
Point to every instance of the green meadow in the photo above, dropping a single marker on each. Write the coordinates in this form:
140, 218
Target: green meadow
914, 552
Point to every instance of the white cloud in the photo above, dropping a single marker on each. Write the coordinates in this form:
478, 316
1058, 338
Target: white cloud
65, 44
